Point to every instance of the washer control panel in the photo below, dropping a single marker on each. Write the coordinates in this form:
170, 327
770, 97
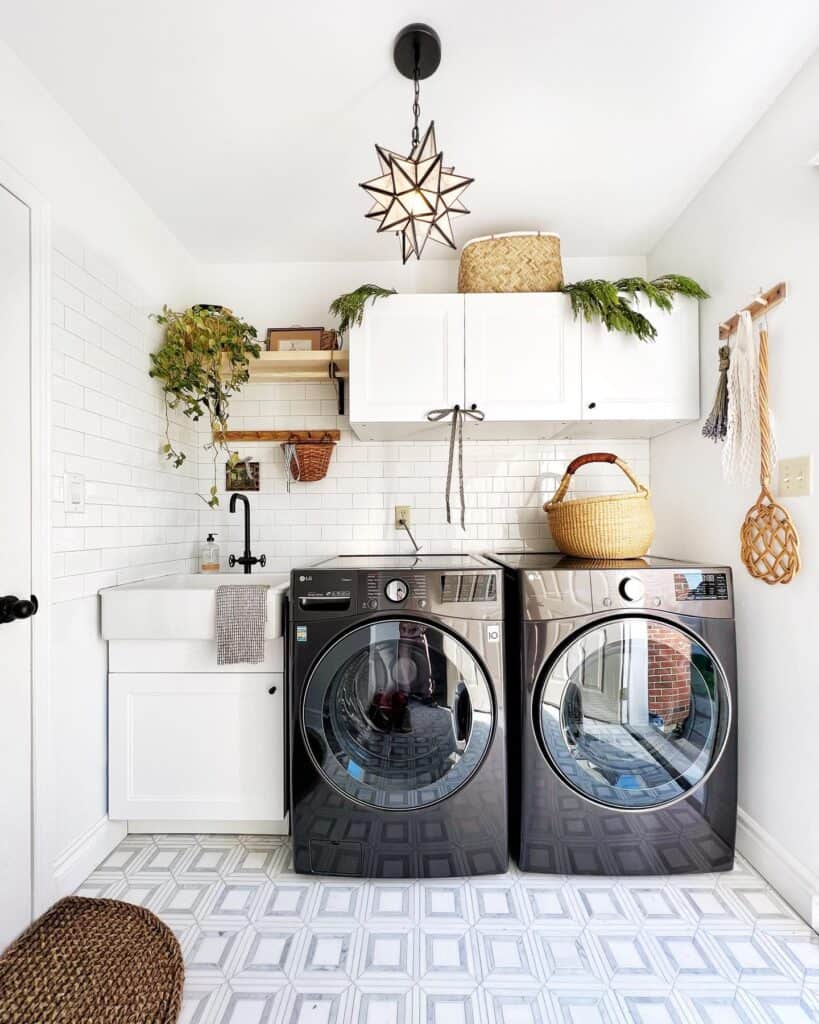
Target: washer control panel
317, 593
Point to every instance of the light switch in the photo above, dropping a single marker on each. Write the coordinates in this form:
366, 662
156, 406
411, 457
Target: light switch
795, 477
74, 492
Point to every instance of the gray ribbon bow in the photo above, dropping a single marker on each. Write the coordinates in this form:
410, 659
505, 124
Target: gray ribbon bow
457, 414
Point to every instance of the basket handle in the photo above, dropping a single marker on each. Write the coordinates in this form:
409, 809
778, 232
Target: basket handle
584, 460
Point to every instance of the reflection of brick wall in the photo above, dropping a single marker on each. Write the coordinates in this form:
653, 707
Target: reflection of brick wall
669, 674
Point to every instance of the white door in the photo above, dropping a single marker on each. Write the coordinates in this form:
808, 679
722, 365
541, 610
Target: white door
523, 358
15, 569
628, 379
406, 359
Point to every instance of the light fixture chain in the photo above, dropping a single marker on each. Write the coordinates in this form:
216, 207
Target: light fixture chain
416, 106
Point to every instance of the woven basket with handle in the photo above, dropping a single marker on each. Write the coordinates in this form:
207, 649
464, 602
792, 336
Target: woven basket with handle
523, 261
609, 526
308, 461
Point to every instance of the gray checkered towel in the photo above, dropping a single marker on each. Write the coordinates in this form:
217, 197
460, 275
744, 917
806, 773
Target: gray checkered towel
241, 613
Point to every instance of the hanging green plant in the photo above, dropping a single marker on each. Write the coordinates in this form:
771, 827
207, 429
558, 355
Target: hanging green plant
203, 361
612, 301
350, 308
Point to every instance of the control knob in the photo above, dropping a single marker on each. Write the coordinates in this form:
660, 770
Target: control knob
396, 591
632, 589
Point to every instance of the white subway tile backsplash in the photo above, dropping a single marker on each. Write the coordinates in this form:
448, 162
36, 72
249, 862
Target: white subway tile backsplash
144, 518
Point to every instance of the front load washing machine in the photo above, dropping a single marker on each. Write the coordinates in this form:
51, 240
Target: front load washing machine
398, 766
622, 720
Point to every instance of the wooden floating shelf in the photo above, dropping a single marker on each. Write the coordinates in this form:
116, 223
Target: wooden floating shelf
297, 436
284, 366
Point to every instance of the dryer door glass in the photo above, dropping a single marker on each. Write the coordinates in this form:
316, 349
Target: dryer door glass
397, 714
634, 713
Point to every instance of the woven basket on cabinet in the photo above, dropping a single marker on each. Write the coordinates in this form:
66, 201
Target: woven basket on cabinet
610, 526
522, 261
308, 461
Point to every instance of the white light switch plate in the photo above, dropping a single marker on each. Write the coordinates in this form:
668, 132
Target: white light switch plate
74, 492
795, 477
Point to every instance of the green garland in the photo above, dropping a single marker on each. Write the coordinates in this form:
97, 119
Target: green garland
611, 301
349, 308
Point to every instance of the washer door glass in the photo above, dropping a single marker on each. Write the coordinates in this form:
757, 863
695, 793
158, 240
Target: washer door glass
634, 713
397, 714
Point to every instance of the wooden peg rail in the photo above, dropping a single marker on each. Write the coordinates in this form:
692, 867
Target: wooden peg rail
277, 435
773, 296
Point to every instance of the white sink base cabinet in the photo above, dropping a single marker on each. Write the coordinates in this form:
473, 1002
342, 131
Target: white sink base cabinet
194, 746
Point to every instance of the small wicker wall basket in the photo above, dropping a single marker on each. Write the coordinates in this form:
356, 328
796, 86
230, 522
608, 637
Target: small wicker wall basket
610, 526
520, 261
308, 461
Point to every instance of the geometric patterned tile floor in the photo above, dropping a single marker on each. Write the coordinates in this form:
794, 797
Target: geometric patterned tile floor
263, 945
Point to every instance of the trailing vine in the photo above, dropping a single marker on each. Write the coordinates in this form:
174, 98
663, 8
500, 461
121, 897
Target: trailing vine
203, 361
349, 308
612, 301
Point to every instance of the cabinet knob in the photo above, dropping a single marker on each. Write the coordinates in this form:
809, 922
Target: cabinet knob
592, 405
272, 690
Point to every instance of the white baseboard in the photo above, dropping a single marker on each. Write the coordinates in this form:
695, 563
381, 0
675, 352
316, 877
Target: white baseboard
791, 879
87, 852
217, 828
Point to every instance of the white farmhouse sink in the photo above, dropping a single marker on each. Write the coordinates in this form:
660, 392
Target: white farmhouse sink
181, 607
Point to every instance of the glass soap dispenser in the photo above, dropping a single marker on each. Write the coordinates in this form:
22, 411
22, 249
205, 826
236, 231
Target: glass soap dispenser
209, 555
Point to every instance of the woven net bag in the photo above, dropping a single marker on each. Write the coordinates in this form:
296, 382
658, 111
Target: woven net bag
308, 461
610, 526
524, 261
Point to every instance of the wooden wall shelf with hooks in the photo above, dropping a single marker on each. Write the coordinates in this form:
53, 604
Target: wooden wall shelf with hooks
297, 436
773, 296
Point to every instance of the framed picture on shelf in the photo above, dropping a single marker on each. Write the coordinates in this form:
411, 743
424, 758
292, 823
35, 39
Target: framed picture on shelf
294, 339
244, 476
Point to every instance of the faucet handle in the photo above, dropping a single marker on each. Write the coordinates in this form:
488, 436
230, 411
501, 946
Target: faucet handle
232, 561
263, 560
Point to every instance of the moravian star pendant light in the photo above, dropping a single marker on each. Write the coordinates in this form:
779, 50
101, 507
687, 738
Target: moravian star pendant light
416, 196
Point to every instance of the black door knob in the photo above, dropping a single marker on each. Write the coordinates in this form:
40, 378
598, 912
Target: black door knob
12, 607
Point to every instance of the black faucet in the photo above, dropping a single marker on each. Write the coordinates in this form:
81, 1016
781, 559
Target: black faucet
247, 560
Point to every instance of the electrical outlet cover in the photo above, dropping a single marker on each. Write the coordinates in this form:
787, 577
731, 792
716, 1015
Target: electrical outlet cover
795, 477
403, 512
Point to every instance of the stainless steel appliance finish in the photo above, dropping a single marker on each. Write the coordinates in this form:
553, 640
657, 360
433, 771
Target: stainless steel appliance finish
622, 682
398, 767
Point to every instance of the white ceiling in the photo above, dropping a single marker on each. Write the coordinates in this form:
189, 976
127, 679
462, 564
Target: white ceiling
248, 125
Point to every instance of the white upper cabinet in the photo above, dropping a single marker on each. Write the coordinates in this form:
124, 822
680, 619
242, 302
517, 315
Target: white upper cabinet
627, 379
406, 359
522, 358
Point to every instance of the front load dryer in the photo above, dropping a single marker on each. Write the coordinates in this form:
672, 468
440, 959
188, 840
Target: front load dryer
398, 767
623, 708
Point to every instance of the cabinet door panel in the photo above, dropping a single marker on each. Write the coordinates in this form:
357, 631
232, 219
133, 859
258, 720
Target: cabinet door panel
522, 357
407, 358
187, 746
628, 379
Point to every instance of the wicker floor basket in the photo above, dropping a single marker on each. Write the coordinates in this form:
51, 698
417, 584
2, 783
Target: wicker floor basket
308, 461
522, 261
610, 526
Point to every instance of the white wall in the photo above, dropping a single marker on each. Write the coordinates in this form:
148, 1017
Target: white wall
112, 262
756, 223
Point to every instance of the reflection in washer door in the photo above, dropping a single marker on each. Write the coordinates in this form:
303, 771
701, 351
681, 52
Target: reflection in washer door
634, 713
397, 714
